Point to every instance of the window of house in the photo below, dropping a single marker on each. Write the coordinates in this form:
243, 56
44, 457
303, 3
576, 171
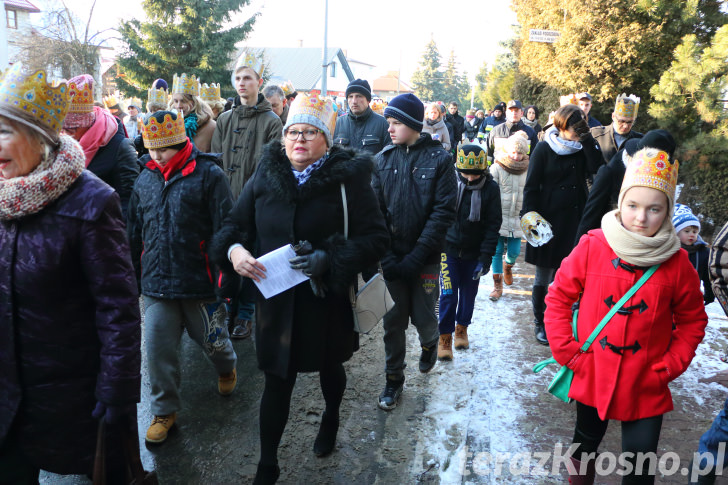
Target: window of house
12, 18
332, 68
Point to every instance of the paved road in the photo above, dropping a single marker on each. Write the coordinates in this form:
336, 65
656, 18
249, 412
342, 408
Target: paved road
453, 425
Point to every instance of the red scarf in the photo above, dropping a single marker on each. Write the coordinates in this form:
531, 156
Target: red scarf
177, 161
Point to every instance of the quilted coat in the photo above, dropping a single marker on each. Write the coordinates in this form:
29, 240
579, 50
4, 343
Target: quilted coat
69, 324
628, 383
511, 195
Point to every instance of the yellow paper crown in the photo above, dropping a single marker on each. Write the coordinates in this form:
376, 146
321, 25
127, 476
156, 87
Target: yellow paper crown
134, 102
248, 59
568, 99
305, 106
211, 93
287, 88
378, 105
627, 106
157, 96
185, 84
33, 94
111, 100
82, 98
471, 157
652, 168
167, 133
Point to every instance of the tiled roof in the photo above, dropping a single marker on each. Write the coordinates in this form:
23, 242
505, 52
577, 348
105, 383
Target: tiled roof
22, 5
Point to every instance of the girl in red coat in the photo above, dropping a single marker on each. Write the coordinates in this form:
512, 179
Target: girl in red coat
624, 375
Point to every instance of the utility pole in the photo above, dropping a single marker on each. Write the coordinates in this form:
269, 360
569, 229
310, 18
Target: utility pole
325, 63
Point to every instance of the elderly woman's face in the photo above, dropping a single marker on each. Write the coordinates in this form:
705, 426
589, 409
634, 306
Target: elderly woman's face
302, 152
20, 152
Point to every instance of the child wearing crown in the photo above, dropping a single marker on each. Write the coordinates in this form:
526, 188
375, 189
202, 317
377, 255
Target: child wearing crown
178, 202
469, 247
624, 374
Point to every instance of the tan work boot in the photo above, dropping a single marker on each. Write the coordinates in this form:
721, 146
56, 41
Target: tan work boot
461, 337
159, 428
497, 288
508, 274
226, 383
444, 347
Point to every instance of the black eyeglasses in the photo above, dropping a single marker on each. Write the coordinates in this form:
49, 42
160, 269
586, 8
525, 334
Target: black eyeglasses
308, 135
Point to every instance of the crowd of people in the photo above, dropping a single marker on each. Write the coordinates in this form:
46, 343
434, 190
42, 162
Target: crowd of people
100, 206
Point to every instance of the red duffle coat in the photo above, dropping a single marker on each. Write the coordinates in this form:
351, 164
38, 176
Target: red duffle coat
632, 385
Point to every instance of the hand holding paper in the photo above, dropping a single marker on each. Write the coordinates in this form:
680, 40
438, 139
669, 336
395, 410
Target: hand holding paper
246, 265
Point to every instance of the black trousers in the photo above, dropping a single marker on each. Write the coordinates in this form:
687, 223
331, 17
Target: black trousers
639, 436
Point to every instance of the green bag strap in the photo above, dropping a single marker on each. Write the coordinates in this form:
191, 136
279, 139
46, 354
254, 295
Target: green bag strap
616, 307
540, 366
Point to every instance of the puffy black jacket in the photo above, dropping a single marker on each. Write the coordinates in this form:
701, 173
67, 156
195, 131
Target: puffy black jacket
171, 224
458, 126
500, 134
367, 132
477, 239
416, 190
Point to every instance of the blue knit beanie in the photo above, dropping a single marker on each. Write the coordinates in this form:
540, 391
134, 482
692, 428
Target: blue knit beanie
408, 109
683, 217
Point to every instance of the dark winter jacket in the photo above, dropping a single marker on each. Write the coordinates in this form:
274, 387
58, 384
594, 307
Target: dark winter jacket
70, 333
719, 267
603, 196
698, 255
240, 135
296, 330
604, 135
489, 123
367, 132
556, 189
471, 129
458, 126
476, 239
592, 122
116, 164
416, 190
171, 224
500, 134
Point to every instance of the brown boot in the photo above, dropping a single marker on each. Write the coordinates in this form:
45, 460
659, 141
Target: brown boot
508, 274
444, 347
461, 337
498, 287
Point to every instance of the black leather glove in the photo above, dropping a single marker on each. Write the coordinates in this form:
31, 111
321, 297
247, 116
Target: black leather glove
479, 271
582, 129
314, 264
390, 271
409, 268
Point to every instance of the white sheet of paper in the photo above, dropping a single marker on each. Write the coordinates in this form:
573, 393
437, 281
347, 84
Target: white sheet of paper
279, 275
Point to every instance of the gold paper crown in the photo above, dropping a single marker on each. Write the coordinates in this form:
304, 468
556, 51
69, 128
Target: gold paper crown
157, 96
32, 93
652, 168
134, 102
248, 59
473, 160
167, 133
627, 105
82, 98
211, 93
185, 84
378, 105
111, 100
568, 99
287, 88
312, 105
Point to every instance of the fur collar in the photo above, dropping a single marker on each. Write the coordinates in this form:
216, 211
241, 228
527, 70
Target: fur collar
341, 165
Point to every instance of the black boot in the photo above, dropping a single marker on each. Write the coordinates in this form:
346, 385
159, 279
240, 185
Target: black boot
708, 479
538, 300
326, 438
266, 474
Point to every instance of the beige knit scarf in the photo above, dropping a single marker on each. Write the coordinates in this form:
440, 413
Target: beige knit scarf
636, 249
29, 194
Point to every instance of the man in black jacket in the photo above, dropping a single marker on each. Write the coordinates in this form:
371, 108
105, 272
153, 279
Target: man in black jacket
415, 184
499, 135
361, 128
611, 138
458, 124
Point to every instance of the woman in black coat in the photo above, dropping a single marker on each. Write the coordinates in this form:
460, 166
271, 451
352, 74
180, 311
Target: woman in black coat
295, 196
556, 189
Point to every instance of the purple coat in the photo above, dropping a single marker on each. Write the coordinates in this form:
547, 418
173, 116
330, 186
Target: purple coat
69, 324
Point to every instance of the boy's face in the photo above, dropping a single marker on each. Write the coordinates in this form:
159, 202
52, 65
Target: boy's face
247, 84
471, 177
688, 235
400, 133
162, 155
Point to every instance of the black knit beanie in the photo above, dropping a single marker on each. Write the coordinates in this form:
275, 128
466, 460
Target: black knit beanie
408, 109
359, 86
660, 139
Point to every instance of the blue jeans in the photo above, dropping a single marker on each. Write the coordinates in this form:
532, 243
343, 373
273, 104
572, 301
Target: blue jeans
458, 290
513, 249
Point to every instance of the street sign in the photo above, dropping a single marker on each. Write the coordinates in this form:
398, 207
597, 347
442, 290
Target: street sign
548, 36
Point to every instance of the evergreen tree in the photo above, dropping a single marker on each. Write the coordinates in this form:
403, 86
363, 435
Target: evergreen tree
180, 36
428, 78
455, 86
498, 82
689, 102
